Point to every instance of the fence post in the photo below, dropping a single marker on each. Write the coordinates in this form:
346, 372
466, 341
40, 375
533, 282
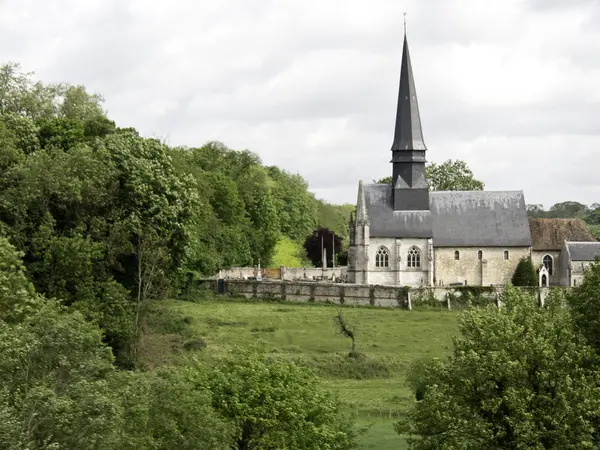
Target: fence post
448, 301
408, 300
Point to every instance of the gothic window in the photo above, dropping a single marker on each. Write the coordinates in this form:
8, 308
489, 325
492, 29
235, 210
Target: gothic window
505, 254
414, 257
548, 263
479, 255
456, 255
382, 257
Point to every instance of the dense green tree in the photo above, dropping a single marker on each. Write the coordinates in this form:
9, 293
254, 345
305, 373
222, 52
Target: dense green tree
451, 175
568, 209
518, 377
275, 404
17, 294
322, 239
524, 274
296, 206
584, 302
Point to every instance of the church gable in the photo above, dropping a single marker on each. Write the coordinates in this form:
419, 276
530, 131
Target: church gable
549, 234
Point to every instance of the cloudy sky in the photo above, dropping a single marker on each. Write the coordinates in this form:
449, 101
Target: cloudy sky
510, 86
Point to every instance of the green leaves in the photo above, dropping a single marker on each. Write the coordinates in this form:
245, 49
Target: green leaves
518, 378
452, 176
448, 176
525, 274
275, 404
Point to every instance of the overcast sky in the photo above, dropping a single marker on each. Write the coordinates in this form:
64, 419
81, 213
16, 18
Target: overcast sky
512, 87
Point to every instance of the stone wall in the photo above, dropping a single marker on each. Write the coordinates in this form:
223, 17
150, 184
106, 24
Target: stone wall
537, 257
492, 269
355, 294
283, 273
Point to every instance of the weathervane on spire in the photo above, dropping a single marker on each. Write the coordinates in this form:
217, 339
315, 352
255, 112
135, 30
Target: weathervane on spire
404, 22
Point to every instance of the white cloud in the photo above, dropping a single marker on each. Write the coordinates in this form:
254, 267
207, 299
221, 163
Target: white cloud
507, 85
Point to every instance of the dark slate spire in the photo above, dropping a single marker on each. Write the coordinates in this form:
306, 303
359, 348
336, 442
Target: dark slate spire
410, 188
408, 134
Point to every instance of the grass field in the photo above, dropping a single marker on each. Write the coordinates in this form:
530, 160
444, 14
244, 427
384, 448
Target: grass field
374, 388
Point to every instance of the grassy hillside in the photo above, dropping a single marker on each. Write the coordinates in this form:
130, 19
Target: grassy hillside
373, 387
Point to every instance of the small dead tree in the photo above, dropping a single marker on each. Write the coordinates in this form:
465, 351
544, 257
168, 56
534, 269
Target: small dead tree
345, 329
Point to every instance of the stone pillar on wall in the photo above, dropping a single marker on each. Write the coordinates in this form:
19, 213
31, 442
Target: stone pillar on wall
430, 262
484, 270
398, 262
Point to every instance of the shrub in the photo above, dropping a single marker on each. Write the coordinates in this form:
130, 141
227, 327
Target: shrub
524, 274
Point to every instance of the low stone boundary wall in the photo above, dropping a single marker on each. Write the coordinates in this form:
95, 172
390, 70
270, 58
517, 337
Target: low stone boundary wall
283, 273
357, 294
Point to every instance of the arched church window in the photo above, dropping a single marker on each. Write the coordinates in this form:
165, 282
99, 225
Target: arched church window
414, 257
548, 263
479, 255
382, 257
505, 254
456, 255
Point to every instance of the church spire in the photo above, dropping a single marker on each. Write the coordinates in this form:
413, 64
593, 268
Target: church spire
361, 205
410, 188
408, 134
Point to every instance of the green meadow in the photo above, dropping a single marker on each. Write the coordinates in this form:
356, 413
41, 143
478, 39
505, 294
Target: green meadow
374, 386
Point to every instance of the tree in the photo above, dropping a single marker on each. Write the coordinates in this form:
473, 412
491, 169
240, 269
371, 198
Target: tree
448, 176
584, 302
452, 176
524, 274
536, 211
17, 294
296, 206
518, 377
593, 218
567, 210
322, 238
276, 404
345, 329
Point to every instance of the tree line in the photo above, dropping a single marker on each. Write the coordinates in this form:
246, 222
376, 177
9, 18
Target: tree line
570, 210
519, 376
95, 220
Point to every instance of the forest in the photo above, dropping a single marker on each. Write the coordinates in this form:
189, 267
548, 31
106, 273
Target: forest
98, 222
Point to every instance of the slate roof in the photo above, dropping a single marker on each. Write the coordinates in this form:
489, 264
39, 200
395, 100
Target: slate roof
583, 251
385, 222
455, 219
408, 134
549, 234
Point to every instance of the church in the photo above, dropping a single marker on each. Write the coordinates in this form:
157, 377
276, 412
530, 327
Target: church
402, 234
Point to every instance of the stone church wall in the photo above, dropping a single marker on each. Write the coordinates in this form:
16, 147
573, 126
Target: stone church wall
398, 273
351, 294
492, 269
537, 258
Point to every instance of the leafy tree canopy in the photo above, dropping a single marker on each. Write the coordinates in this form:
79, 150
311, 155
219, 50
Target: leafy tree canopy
525, 274
276, 404
518, 377
451, 175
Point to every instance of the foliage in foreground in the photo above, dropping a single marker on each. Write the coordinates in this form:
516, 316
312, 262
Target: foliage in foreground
519, 377
60, 389
276, 404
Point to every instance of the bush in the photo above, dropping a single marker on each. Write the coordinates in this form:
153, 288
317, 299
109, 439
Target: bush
356, 367
524, 274
277, 404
